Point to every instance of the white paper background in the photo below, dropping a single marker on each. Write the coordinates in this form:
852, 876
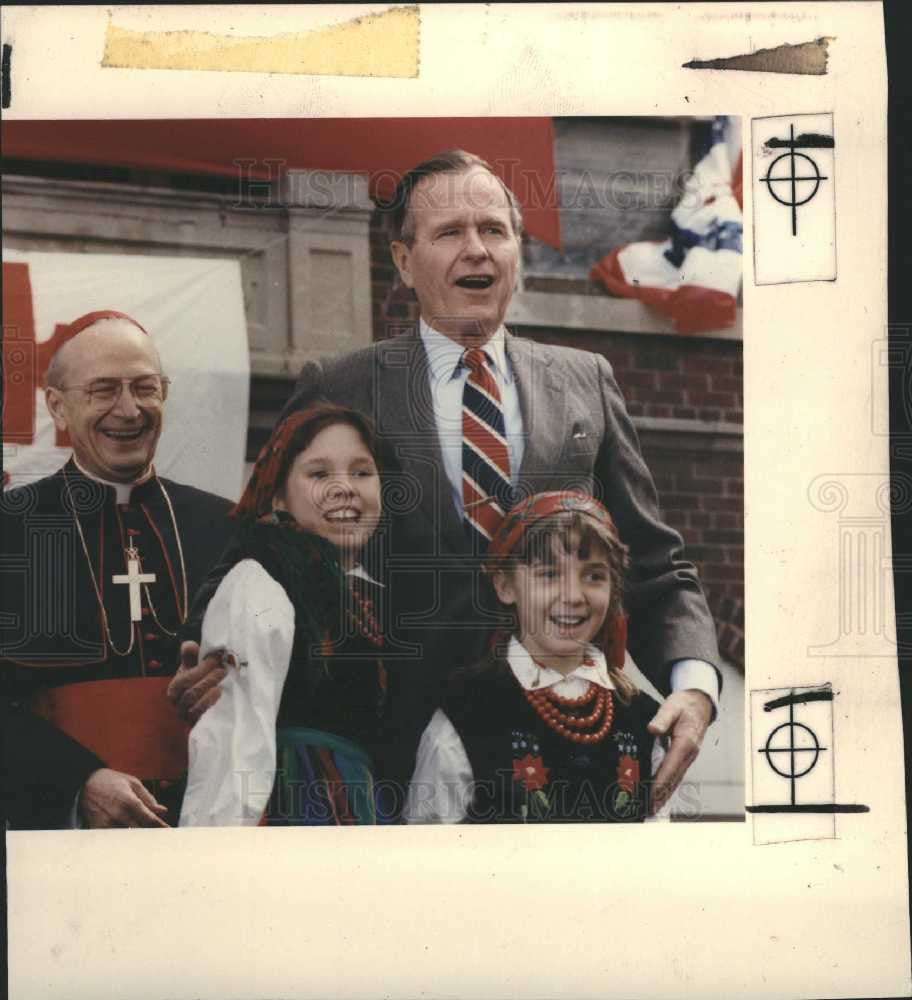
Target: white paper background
671, 910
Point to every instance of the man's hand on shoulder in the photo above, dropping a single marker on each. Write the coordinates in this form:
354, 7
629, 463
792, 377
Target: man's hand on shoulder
195, 686
685, 715
114, 799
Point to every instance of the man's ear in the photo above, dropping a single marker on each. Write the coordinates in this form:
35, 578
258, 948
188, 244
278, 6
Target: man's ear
503, 586
401, 255
53, 399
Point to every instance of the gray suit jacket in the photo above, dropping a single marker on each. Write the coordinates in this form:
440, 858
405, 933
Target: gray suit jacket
578, 434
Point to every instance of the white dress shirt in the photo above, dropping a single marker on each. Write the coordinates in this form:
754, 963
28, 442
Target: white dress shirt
448, 379
441, 787
232, 749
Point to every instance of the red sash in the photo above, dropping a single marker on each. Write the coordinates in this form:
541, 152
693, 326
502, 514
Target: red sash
128, 723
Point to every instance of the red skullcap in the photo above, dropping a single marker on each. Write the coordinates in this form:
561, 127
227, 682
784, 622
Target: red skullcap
257, 497
89, 319
541, 505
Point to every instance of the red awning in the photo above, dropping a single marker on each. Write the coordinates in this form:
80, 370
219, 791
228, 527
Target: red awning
521, 150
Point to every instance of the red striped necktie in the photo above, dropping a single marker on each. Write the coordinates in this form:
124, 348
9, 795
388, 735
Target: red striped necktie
486, 489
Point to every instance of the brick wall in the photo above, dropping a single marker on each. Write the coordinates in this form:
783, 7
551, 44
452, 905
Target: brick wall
391, 303
683, 383
678, 390
680, 377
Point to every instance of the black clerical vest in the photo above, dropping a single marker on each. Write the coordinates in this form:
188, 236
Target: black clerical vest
60, 674
525, 772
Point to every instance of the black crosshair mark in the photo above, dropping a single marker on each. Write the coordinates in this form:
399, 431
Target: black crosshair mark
800, 739
794, 733
792, 178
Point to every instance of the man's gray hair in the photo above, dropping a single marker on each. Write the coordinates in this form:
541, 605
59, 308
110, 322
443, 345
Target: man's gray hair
401, 219
54, 375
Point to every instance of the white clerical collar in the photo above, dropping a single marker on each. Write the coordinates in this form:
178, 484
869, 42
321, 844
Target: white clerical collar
362, 574
122, 490
444, 353
533, 677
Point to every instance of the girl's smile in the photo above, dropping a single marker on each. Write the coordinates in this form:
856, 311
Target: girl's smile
561, 604
333, 490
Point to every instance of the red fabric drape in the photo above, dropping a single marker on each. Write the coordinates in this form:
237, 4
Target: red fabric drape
521, 150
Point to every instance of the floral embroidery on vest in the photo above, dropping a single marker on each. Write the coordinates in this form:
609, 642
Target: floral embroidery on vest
530, 772
626, 800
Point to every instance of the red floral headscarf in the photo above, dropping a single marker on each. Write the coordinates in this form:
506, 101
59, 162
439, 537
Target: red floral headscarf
542, 505
256, 499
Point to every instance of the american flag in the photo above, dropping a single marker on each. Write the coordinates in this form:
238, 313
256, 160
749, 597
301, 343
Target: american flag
693, 276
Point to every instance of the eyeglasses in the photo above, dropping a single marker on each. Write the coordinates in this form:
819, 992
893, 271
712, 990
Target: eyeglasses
107, 391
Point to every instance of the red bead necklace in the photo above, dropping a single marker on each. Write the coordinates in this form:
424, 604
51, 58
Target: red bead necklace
547, 704
562, 699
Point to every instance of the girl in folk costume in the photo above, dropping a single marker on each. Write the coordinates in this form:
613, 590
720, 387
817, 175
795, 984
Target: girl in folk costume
297, 616
547, 728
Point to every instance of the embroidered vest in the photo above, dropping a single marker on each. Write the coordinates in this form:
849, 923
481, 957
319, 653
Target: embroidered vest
525, 772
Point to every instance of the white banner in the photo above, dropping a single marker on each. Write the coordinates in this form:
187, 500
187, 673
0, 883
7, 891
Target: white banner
194, 310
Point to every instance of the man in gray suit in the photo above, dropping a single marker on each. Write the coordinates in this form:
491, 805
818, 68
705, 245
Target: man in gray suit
456, 242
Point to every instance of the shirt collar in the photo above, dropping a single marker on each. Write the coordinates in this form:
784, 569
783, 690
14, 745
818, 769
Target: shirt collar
362, 574
444, 353
122, 490
528, 672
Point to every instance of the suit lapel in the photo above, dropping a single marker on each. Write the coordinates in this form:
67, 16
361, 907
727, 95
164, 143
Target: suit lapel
406, 417
405, 413
542, 406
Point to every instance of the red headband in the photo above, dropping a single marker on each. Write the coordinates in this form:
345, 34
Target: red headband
89, 319
541, 505
257, 497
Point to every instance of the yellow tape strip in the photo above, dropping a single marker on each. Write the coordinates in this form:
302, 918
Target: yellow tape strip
379, 45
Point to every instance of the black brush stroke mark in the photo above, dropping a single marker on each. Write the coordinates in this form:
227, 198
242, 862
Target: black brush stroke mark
6, 89
798, 699
822, 807
807, 140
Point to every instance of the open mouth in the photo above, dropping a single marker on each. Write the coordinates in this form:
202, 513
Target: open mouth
567, 622
346, 515
475, 282
132, 434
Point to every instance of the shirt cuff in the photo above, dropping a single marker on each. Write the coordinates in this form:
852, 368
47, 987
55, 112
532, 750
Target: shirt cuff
697, 675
